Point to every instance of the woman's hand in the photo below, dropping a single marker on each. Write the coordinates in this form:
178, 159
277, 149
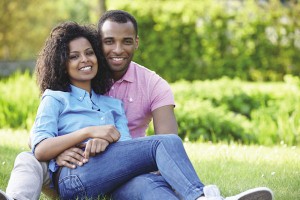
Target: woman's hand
106, 132
94, 146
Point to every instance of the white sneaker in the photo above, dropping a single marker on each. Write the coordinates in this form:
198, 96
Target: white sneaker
260, 193
4, 196
212, 192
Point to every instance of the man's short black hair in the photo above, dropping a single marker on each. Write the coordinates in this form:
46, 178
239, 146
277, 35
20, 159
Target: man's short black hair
118, 16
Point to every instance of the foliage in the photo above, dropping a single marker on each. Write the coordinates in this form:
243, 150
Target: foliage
217, 110
25, 24
19, 101
202, 40
210, 39
226, 110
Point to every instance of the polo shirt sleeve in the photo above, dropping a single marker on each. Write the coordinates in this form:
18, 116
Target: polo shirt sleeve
46, 121
160, 92
121, 123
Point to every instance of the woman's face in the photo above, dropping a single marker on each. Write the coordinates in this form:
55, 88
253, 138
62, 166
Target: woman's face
82, 65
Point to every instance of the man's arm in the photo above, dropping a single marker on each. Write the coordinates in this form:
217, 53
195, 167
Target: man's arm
164, 120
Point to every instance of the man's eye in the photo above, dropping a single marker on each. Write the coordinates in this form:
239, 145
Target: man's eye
108, 42
128, 42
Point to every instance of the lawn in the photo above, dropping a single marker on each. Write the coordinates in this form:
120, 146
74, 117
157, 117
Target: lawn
234, 168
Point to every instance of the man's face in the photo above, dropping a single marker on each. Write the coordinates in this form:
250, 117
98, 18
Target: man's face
119, 43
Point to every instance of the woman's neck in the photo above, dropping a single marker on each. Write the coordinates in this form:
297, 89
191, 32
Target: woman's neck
86, 87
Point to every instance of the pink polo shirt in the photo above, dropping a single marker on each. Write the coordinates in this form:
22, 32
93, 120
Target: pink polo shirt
141, 91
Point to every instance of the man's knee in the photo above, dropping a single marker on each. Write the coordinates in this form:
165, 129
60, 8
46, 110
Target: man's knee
25, 161
28, 159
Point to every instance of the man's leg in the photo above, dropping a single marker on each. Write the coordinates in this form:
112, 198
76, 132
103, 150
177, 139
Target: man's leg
147, 187
27, 178
122, 161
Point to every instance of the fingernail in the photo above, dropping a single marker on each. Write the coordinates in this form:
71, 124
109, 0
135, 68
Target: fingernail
74, 166
80, 163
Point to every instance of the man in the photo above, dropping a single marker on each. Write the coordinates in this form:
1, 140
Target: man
145, 95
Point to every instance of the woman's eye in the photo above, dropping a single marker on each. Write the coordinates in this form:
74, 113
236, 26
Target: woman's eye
90, 53
72, 57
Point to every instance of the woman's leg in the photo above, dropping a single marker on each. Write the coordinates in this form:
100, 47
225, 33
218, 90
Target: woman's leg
127, 159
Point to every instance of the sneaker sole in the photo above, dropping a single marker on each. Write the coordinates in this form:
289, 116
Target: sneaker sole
3, 196
259, 195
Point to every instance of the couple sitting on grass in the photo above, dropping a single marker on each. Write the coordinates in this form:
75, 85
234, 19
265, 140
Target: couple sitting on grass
85, 139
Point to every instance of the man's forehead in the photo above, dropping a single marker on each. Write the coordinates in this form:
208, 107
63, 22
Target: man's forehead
112, 29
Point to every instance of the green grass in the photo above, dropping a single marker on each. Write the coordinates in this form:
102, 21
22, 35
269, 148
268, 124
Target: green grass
234, 168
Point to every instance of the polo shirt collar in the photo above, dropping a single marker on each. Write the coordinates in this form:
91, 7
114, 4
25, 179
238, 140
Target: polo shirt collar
129, 75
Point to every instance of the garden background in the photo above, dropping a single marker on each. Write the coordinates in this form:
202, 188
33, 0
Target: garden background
233, 67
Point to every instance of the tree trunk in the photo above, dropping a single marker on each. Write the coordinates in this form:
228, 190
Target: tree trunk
102, 7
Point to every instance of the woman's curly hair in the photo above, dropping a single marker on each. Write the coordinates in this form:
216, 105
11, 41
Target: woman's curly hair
51, 65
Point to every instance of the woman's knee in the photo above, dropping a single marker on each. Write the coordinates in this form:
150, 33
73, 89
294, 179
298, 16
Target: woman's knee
172, 138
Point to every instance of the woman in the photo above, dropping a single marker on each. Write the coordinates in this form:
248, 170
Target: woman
72, 75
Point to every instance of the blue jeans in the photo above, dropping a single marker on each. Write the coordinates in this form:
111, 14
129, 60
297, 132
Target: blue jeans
145, 187
125, 160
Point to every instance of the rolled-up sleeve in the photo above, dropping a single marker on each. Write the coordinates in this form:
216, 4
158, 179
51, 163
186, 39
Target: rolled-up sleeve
46, 121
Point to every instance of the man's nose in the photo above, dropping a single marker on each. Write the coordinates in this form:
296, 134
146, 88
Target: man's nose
118, 48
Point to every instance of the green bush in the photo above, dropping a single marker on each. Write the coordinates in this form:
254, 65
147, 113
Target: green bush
208, 39
223, 110
19, 100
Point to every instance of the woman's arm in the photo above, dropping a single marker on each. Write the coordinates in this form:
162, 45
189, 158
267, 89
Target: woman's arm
51, 147
47, 143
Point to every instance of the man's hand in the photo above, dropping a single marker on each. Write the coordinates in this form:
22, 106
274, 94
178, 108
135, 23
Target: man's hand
71, 158
94, 146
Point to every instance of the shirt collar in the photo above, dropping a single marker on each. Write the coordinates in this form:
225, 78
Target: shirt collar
129, 75
78, 93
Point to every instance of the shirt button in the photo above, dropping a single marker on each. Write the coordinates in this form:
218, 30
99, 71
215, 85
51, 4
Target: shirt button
130, 99
102, 118
112, 87
80, 98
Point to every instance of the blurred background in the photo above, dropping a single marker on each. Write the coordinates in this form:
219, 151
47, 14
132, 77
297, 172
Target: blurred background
233, 64
256, 40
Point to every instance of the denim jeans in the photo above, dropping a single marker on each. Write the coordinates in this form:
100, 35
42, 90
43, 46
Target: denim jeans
148, 186
125, 160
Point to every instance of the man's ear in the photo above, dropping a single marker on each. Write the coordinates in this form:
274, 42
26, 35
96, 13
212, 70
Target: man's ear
137, 42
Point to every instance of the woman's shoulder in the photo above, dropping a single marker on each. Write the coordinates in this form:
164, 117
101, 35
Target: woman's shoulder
58, 95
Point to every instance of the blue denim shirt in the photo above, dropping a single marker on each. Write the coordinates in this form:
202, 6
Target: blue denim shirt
60, 113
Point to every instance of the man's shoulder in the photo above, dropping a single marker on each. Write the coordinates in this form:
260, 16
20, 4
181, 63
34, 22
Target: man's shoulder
141, 69
145, 73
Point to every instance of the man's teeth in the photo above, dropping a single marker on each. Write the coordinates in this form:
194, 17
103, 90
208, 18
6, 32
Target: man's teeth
86, 68
117, 59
